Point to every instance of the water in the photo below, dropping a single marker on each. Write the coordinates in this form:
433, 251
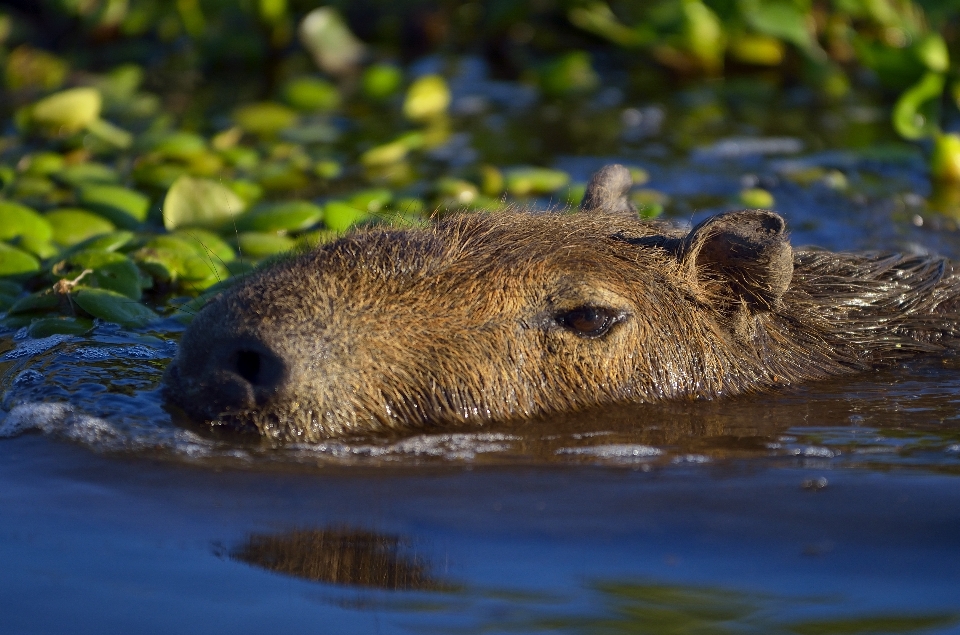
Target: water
831, 507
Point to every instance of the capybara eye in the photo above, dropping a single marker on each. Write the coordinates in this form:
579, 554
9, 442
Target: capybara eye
588, 321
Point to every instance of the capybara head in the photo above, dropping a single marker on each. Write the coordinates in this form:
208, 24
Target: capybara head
493, 316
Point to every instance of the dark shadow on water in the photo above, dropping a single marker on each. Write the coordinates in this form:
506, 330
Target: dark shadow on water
340, 555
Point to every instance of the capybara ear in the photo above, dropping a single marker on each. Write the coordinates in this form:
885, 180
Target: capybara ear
607, 191
739, 257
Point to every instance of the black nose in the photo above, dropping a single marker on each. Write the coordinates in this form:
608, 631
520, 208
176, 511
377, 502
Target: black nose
260, 368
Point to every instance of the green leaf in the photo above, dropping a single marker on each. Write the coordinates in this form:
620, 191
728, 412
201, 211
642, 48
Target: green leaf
526, 181
427, 98
340, 216
571, 73
372, 200
281, 217
200, 203
260, 245
110, 270
908, 120
756, 198
45, 327
87, 174
179, 145
39, 301
68, 111
264, 118
114, 307
945, 160
207, 244
104, 242
381, 80
311, 94
784, 20
72, 226
15, 261
19, 220
122, 206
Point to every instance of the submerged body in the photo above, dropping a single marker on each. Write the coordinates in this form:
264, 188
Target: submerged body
490, 317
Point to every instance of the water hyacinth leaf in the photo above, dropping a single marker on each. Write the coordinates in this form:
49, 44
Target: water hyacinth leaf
72, 226
327, 169
526, 181
207, 244
372, 200
68, 111
264, 118
87, 174
42, 249
328, 39
43, 163
15, 261
111, 306
111, 241
241, 157
200, 203
340, 216
571, 73
703, 35
762, 50
40, 301
121, 83
597, 18
281, 217
756, 198
381, 81
458, 190
170, 259
272, 11
110, 134
783, 20
249, 191
909, 120
104, 270
945, 160
311, 94
385, 154
18, 220
45, 327
179, 145
122, 206
27, 67
427, 97
258, 245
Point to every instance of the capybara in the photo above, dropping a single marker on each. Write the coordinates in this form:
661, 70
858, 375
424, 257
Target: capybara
489, 317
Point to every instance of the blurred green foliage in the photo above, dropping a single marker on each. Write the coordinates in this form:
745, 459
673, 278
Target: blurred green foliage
151, 149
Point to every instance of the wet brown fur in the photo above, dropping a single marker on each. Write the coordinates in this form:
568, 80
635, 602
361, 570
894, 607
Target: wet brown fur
394, 329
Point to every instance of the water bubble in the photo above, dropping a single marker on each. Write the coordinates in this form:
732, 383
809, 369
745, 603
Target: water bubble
29, 348
28, 377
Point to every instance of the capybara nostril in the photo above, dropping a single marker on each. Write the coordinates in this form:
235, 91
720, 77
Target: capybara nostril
248, 366
255, 364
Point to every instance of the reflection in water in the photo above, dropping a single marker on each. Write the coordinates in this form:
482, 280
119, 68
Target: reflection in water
341, 556
665, 609
368, 559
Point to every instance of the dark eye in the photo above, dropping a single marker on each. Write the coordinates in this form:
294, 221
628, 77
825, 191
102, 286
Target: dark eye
588, 321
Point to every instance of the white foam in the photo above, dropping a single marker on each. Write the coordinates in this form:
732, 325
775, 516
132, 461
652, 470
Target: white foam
614, 451
67, 422
458, 446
